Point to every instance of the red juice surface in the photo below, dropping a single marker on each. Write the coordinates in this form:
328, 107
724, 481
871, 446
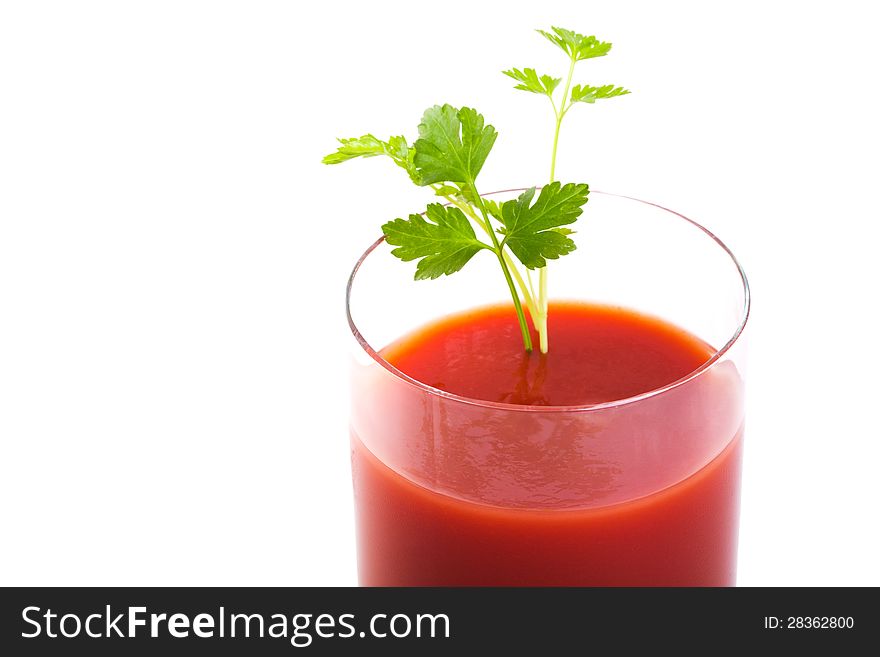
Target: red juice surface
519, 498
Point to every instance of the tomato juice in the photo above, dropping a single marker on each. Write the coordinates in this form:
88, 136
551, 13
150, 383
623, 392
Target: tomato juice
613, 460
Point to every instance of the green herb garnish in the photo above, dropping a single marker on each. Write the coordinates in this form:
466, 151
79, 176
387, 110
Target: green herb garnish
578, 47
449, 154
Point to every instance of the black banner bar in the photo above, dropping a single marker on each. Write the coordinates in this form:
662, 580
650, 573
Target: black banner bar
341, 621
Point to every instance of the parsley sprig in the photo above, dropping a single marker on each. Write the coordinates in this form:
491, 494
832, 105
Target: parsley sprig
451, 149
577, 47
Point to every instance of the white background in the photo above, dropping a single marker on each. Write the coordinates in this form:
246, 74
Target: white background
173, 256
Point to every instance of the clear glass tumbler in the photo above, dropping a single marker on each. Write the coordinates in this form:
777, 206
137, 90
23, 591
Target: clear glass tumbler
639, 491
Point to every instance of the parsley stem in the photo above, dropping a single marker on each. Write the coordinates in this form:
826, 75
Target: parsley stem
527, 293
520, 315
497, 248
468, 210
530, 303
541, 319
560, 114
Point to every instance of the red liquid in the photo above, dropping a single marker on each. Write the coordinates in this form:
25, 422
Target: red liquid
519, 499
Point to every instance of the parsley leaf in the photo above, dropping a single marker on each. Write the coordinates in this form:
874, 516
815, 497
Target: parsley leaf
445, 243
533, 231
577, 46
403, 155
588, 94
493, 208
453, 145
366, 146
369, 146
530, 81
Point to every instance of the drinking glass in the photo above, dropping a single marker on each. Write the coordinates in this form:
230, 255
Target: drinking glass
639, 491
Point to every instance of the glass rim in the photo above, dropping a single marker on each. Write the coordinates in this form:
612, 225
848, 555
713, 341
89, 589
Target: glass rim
717, 355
